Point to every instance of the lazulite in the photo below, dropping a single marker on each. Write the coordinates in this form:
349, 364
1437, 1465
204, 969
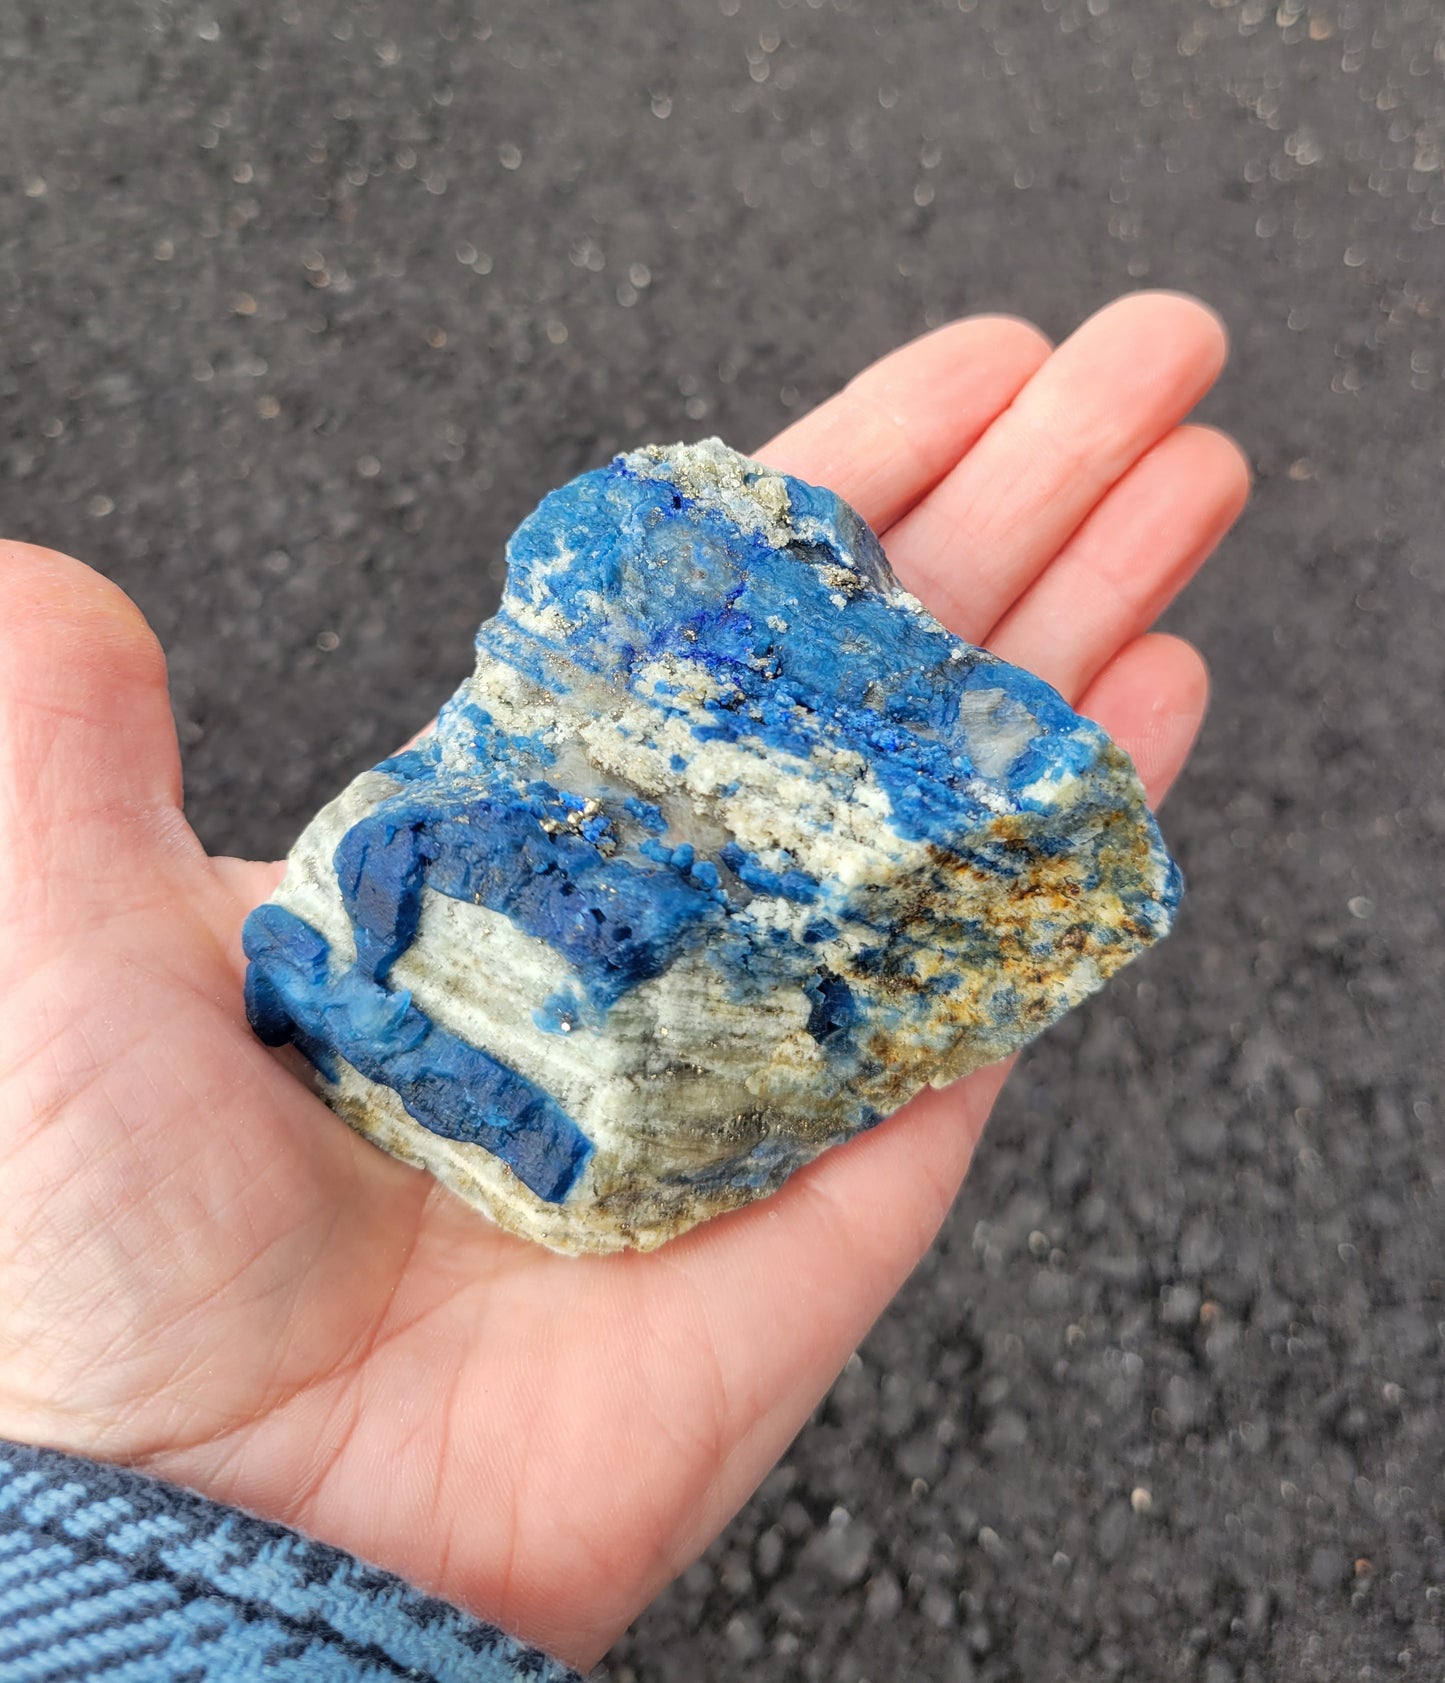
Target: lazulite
724, 850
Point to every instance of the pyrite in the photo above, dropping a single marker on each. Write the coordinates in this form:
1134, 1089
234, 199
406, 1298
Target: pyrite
724, 850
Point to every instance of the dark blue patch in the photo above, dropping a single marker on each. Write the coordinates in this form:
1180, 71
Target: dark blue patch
409, 765
789, 884
451, 1088
647, 815
380, 867
616, 923
834, 1010
1173, 891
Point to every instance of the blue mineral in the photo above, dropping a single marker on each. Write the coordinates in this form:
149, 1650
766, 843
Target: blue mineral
724, 850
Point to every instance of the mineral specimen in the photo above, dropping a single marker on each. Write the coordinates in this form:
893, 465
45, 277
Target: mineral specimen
725, 849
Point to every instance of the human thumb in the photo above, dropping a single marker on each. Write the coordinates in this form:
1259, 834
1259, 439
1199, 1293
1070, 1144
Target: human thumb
90, 779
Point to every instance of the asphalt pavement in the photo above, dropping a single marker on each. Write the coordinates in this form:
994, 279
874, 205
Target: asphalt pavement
303, 306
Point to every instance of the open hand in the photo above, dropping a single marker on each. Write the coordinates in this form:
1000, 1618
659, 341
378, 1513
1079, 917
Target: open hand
205, 1274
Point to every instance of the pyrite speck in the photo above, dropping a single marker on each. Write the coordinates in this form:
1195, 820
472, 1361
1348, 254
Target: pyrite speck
724, 850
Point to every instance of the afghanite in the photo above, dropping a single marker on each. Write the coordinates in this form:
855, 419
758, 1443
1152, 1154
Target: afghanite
725, 849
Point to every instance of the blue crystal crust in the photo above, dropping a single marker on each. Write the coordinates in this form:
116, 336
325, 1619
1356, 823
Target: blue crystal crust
453, 1090
725, 848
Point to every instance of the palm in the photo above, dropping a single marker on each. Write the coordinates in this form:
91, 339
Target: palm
202, 1272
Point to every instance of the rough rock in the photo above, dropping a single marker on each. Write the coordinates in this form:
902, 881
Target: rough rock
724, 850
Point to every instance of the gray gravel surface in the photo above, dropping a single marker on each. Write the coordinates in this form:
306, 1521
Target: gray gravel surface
303, 306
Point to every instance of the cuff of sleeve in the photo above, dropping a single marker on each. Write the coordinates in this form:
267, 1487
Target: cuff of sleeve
104, 1572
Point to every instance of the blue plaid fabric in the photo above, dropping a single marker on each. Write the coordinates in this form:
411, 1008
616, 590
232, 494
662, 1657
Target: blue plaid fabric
110, 1576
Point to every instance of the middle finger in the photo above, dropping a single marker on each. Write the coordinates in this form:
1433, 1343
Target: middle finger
1110, 392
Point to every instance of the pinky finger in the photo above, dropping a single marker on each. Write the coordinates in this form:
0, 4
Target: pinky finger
1151, 698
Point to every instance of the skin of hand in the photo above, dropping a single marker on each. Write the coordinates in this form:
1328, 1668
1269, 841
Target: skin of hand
206, 1275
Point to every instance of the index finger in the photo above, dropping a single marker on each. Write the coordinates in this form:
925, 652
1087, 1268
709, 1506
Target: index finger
901, 426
